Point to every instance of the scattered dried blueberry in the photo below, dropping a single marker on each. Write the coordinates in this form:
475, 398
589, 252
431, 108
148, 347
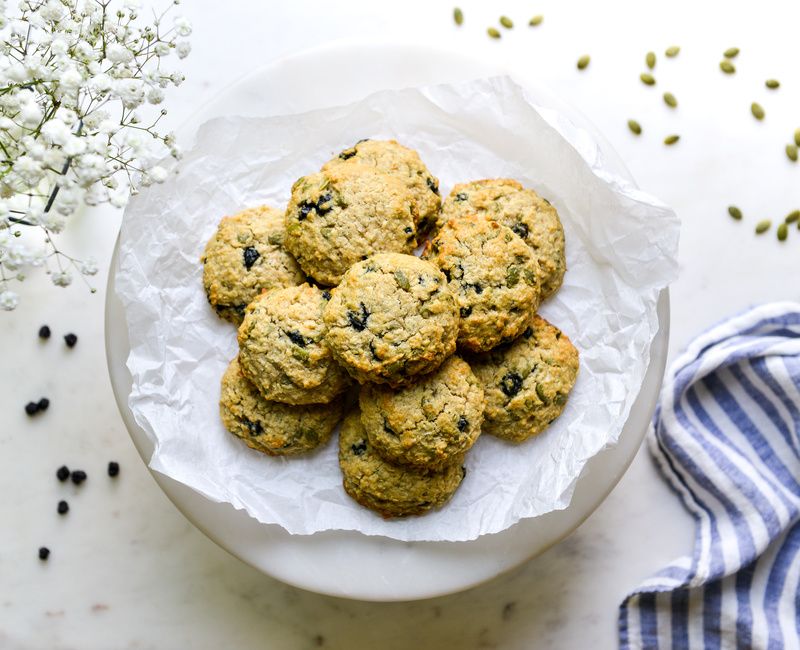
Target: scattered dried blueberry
63, 507
297, 338
44, 552
463, 423
70, 339
43, 404
358, 321
250, 255
32, 408
62, 473
78, 476
113, 469
510, 384
44, 332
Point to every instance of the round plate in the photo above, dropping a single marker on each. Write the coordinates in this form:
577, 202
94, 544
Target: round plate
350, 564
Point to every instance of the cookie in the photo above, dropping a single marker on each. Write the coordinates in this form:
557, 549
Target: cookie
390, 490
244, 257
270, 427
282, 349
428, 424
403, 163
494, 276
526, 384
531, 217
391, 318
340, 216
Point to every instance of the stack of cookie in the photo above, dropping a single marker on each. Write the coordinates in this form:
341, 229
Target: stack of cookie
443, 347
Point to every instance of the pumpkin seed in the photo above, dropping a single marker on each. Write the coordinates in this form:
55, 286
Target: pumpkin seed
727, 67
797, 137
791, 152
671, 139
536, 20
772, 84
757, 110
731, 53
541, 394
793, 216
763, 226
458, 16
506, 22
493, 33
669, 100
647, 79
672, 51
650, 60
583, 62
783, 232
735, 212
635, 127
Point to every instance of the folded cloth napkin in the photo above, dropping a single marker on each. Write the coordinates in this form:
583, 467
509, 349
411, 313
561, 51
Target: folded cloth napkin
725, 436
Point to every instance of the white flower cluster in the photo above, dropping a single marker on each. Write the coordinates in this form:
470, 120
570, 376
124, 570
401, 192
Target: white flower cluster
77, 81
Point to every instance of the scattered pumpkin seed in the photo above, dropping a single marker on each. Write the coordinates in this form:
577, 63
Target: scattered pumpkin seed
735, 212
763, 226
635, 127
536, 20
458, 16
650, 60
791, 152
671, 139
727, 67
783, 232
797, 137
506, 22
772, 84
647, 79
731, 53
672, 51
493, 33
583, 62
757, 110
669, 100
792, 217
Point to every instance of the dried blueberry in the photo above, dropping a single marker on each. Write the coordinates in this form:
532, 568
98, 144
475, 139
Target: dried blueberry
253, 428
348, 153
461, 196
433, 186
62, 473
465, 311
521, 229
250, 255
325, 198
408, 229
70, 339
463, 423
31, 408
358, 321
113, 469
478, 288
510, 384
63, 507
326, 295
44, 553
361, 140
297, 338
43, 404
558, 335
304, 208
78, 476
44, 332
359, 448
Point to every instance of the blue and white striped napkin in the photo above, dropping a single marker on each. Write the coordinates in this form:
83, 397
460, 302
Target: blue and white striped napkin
725, 436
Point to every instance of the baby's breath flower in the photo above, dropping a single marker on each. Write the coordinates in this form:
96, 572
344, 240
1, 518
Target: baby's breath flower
63, 67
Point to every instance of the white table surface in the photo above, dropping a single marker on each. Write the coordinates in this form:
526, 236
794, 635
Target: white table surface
128, 571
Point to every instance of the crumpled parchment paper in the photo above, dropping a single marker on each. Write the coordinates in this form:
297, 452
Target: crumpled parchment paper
621, 251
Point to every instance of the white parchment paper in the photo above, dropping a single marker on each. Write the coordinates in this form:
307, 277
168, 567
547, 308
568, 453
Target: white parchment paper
621, 250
